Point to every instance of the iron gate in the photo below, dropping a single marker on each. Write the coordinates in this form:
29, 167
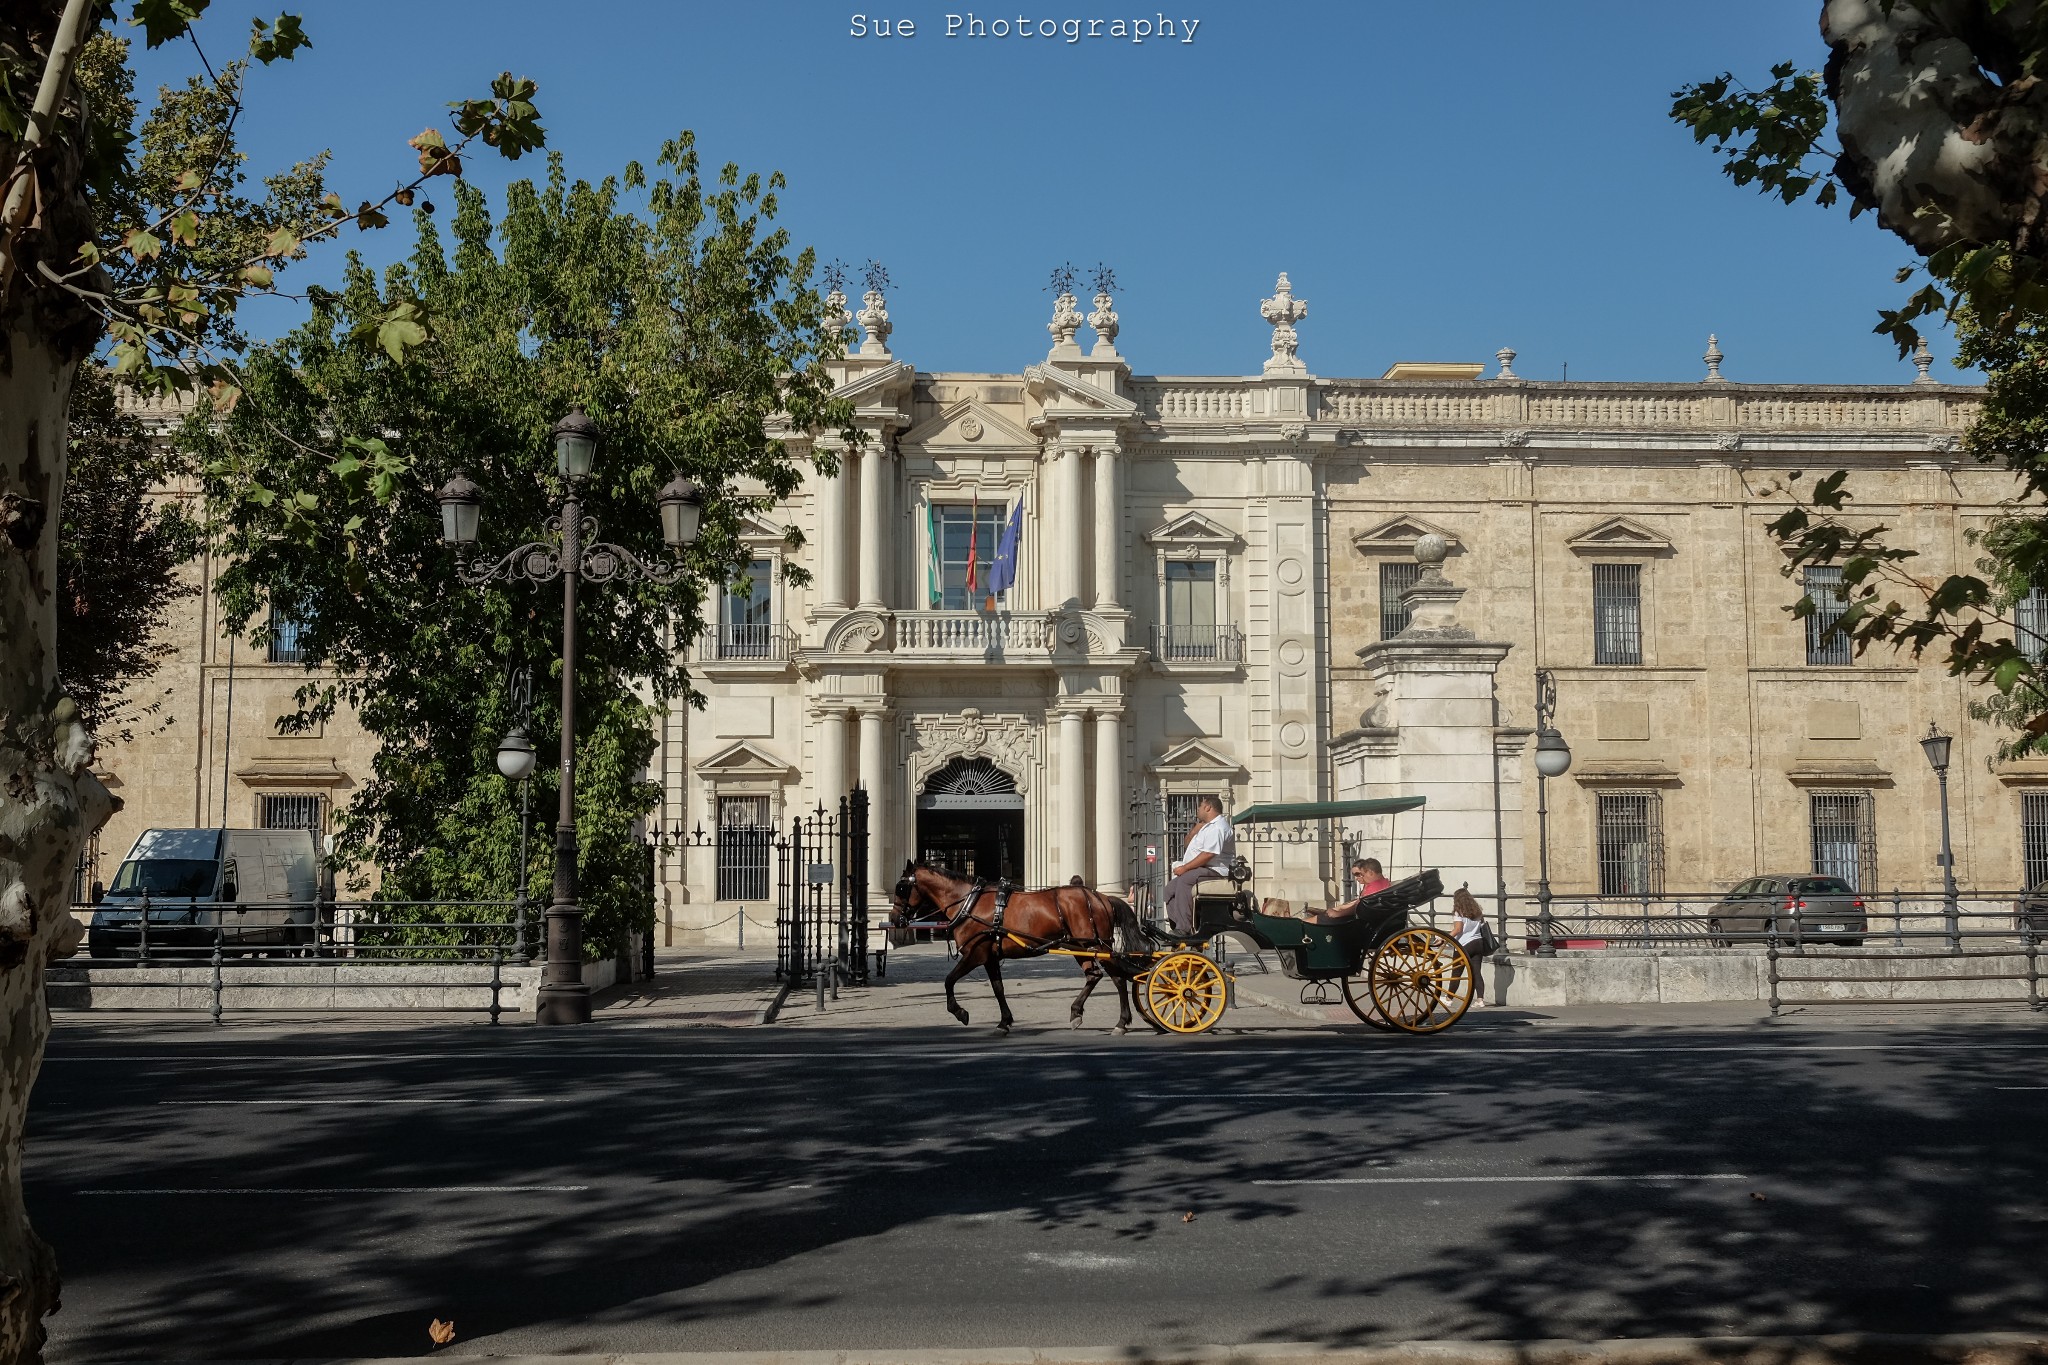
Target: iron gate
821, 900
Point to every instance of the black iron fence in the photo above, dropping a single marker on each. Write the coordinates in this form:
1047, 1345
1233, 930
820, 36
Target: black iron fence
821, 903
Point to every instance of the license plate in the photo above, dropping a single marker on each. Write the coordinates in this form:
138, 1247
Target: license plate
1834, 928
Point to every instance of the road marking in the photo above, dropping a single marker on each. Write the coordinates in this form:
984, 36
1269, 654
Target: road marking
1284, 1094
2023, 1087
465, 1101
1501, 1179
351, 1189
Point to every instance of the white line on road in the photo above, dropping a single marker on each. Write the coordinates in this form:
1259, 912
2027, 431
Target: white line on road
2023, 1087
352, 1189
1501, 1179
1283, 1094
465, 1101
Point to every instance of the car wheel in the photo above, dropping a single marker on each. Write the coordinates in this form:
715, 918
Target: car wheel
1714, 935
97, 946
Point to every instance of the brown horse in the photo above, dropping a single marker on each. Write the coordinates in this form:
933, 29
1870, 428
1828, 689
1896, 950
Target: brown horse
1034, 923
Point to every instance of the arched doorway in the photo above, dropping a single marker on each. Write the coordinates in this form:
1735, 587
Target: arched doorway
970, 818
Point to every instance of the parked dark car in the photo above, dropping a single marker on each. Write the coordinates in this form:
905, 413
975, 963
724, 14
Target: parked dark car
1827, 910
2031, 914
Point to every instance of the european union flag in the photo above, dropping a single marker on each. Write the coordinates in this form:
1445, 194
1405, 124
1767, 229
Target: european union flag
1002, 574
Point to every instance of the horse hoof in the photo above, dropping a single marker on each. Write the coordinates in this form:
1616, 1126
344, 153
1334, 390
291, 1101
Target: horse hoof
1120, 1030
1073, 1021
1003, 1029
961, 1015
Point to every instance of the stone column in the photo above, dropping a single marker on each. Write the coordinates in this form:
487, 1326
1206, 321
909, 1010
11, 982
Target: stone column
1109, 506
830, 760
1067, 585
877, 521
832, 536
1109, 802
1072, 858
876, 766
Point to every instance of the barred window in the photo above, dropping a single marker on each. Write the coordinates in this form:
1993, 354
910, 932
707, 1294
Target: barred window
1181, 819
1631, 838
1617, 613
2030, 622
1823, 583
1845, 837
1396, 577
745, 836
288, 638
293, 812
2034, 838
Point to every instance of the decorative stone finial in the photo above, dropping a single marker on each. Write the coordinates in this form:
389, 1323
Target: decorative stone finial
1283, 310
1713, 357
1431, 550
1506, 356
1923, 361
837, 319
1103, 319
1066, 317
1432, 600
874, 313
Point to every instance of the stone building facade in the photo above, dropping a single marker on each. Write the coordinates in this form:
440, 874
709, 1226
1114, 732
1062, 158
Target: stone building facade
1211, 573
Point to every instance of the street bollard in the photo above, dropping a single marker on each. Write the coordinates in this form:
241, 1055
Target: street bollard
143, 951
497, 977
1771, 956
819, 978
216, 974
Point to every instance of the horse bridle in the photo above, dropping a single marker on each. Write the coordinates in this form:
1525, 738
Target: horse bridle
906, 885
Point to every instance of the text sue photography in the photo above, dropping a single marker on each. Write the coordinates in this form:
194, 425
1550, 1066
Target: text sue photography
972, 25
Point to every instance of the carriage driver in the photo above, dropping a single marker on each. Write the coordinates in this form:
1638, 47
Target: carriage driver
1211, 846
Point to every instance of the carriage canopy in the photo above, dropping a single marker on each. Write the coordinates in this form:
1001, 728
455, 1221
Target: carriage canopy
1278, 812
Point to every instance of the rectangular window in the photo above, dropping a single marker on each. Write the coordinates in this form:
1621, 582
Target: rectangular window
1191, 627
1181, 820
745, 614
1631, 838
1617, 613
2030, 622
961, 527
1845, 837
1823, 583
1396, 577
2034, 838
287, 638
293, 812
745, 837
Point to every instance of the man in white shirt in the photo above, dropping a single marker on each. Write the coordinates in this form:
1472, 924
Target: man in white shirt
1208, 854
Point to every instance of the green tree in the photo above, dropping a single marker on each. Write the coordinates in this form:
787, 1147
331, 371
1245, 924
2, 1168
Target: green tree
95, 247
1939, 120
674, 313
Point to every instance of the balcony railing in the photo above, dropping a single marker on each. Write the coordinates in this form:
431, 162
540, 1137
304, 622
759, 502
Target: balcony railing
746, 644
972, 632
1198, 644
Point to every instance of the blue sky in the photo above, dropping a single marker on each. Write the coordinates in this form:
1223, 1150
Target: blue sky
1439, 180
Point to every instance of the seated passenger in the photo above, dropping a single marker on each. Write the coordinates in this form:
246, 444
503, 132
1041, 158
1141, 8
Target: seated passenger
1367, 879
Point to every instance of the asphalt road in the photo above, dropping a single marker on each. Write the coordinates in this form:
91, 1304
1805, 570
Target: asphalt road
268, 1194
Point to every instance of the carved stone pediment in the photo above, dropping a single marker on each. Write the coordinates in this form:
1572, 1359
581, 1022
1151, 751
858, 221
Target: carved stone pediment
1192, 529
884, 384
1396, 538
858, 632
744, 758
969, 428
1619, 536
1065, 396
1197, 758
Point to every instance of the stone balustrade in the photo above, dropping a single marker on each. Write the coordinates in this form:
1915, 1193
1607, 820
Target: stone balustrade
973, 632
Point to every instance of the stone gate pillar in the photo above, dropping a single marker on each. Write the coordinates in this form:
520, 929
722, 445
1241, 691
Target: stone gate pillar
1433, 732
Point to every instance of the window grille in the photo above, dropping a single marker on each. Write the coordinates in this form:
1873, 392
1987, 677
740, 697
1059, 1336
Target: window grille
1823, 583
2030, 622
2034, 838
745, 837
1617, 613
1181, 819
1191, 628
1631, 843
1396, 577
746, 614
287, 638
1845, 837
293, 812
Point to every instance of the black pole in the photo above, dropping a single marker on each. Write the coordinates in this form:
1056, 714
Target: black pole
564, 998
1546, 948
519, 893
1948, 870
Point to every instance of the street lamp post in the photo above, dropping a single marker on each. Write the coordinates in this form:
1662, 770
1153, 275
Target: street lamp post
516, 757
1553, 758
1936, 747
570, 551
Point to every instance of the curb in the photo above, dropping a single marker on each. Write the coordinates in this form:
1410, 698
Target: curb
766, 1014
1982, 1348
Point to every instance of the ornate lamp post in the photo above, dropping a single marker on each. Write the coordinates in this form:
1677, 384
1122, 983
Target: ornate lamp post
571, 552
1553, 758
1936, 747
516, 757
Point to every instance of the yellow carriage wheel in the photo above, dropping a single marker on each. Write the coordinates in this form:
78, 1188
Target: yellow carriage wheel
1185, 993
1421, 981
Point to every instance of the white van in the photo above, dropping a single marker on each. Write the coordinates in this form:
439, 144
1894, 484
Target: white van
248, 887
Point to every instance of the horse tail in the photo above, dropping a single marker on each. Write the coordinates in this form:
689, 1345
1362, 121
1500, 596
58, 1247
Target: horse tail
1130, 936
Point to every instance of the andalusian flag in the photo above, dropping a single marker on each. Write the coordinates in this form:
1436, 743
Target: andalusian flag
934, 580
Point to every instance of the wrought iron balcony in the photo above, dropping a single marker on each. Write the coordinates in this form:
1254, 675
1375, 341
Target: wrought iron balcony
758, 644
1176, 644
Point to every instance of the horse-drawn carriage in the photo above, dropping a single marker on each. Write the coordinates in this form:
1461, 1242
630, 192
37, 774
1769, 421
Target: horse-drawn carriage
1393, 974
